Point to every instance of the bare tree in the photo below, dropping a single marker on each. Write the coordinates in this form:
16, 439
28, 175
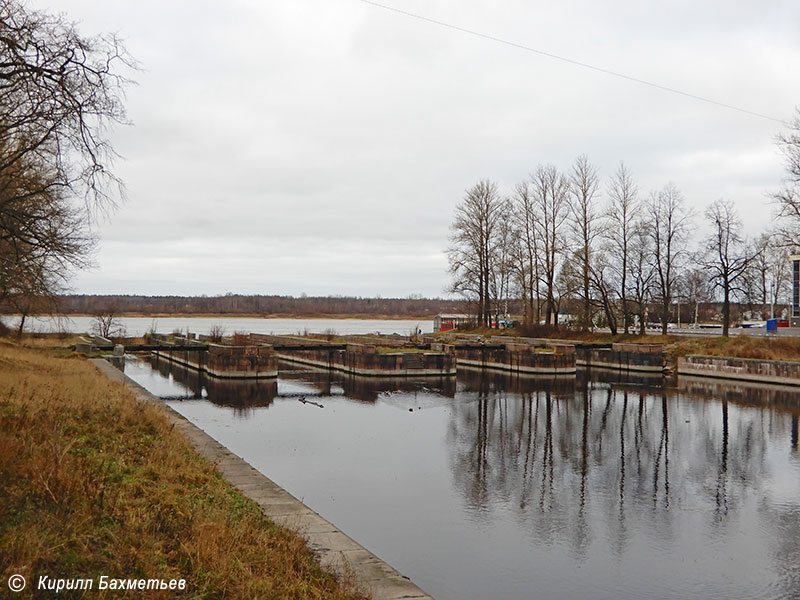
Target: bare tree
621, 215
641, 276
668, 228
727, 257
107, 324
698, 290
502, 268
769, 276
584, 225
528, 228
758, 284
570, 284
550, 191
216, 333
780, 276
43, 236
600, 278
59, 92
788, 198
473, 239
567, 285
33, 293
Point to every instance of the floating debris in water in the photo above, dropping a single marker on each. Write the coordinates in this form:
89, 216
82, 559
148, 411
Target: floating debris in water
304, 401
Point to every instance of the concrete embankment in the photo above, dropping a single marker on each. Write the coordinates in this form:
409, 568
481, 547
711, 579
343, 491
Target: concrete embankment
745, 369
364, 359
518, 358
230, 362
250, 355
432, 359
334, 550
648, 358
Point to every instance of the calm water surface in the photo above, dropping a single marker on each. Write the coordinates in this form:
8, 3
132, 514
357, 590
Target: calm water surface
487, 486
137, 326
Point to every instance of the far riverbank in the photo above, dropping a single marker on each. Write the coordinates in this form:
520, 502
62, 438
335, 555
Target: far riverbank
182, 315
138, 326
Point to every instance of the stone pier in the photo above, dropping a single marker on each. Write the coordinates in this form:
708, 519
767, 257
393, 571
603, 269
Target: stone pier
232, 362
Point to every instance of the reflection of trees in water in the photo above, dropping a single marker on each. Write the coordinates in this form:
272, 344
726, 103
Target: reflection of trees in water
742, 393
742, 443
364, 388
240, 394
489, 381
571, 467
246, 394
783, 527
630, 379
369, 388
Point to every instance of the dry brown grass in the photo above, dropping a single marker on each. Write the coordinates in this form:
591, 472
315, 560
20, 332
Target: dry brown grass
738, 346
565, 333
741, 346
402, 349
41, 340
93, 483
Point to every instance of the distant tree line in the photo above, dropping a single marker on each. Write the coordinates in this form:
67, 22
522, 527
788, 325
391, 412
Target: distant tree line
616, 256
237, 304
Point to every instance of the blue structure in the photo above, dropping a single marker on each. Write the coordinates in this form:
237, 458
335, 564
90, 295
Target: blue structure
795, 258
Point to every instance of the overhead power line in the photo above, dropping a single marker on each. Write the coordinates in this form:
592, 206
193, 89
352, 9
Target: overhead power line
573, 62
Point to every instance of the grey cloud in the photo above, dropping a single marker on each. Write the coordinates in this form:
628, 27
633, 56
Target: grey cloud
321, 147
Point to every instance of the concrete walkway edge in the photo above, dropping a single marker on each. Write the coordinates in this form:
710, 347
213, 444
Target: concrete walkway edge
335, 551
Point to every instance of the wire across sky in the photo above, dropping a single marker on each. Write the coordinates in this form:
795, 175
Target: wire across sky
574, 62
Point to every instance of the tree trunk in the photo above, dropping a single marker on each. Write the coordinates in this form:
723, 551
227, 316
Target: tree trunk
587, 305
626, 316
612, 325
726, 310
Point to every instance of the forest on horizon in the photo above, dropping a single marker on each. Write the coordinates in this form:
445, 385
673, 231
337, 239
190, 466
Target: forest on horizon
240, 304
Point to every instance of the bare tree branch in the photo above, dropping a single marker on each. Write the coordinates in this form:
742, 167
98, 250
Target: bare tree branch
59, 93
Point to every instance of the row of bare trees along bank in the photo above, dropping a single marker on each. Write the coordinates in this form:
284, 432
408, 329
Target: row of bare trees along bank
613, 251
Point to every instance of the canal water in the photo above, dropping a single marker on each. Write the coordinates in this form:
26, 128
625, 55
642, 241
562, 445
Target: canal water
489, 486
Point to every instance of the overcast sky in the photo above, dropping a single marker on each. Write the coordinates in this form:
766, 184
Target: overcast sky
320, 146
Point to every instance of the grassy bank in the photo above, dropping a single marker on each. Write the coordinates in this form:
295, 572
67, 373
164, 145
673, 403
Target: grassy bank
737, 346
740, 346
93, 483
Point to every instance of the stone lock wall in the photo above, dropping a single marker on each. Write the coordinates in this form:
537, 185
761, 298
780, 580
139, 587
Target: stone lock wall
521, 358
241, 361
749, 369
625, 357
234, 362
364, 359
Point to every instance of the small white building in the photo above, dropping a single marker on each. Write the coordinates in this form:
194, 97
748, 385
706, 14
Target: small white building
448, 322
563, 319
